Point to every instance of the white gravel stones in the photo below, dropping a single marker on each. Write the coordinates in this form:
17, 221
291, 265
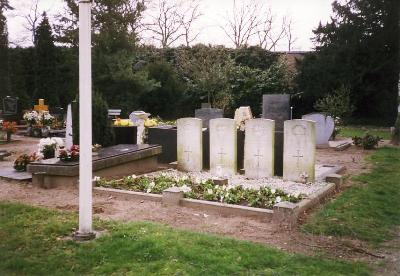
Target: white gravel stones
289, 187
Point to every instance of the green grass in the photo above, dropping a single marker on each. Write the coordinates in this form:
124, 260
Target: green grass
368, 211
32, 242
351, 131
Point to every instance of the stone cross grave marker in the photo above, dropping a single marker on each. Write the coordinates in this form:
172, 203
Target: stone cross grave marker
189, 144
223, 148
324, 127
259, 148
299, 151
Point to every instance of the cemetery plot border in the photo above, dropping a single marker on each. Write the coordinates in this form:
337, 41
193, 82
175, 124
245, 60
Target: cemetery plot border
283, 213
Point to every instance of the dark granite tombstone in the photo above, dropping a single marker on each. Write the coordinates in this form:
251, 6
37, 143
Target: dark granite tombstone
10, 106
206, 149
277, 107
125, 135
206, 114
166, 136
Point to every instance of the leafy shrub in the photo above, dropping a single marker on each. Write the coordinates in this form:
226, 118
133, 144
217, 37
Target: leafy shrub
368, 142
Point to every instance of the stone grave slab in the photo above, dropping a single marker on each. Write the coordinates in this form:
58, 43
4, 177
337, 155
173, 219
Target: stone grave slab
10, 173
299, 151
115, 161
324, 127
223, 147
259, 148
190, 144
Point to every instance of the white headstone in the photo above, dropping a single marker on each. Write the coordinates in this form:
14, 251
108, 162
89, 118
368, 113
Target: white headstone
242, 114
259, 148
324, 127
68, 130
138, 118
299, 151
190, 144
223, 147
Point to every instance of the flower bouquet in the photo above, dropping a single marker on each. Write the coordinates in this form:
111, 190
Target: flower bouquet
9, 128
70, 155
48, 147
32, 117
21, 162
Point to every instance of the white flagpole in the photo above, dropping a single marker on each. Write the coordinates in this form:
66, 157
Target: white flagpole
85, 231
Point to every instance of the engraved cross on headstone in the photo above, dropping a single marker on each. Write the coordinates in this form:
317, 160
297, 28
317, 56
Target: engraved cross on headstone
188, 152
221, 155
298, 156
258, 155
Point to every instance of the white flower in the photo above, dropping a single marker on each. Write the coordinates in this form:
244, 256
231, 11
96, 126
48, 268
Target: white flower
210, 191
133, 176
273, 191
183, 178
163, 174
58, 141
152, 184
148, 190
185, 189
278, 199
96, 178
296, 194
197, 180
203, 181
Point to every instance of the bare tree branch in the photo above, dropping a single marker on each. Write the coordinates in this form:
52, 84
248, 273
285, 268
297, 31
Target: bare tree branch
165, 26
291, 39
32, 19
188, 17
243, 23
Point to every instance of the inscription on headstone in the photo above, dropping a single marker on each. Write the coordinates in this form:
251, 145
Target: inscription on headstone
189, 144
259, 148
299, 151
223, 147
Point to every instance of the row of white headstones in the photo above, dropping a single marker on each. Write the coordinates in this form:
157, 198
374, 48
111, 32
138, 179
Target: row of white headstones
298, 154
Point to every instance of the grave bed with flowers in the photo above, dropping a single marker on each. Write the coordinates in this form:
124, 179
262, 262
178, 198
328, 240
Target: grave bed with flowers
267, 199
202, 189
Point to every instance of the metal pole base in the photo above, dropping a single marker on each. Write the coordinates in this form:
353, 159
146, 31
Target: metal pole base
83, 236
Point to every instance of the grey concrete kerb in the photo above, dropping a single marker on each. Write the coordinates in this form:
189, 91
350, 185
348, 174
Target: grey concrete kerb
283, 213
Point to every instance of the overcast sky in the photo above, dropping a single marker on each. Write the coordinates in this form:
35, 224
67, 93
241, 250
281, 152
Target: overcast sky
305, 14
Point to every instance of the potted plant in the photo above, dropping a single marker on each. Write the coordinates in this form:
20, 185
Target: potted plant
9, 128
70, 155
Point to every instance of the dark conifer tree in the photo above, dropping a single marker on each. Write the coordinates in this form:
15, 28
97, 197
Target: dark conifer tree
46, 64
359, 48
4, 62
